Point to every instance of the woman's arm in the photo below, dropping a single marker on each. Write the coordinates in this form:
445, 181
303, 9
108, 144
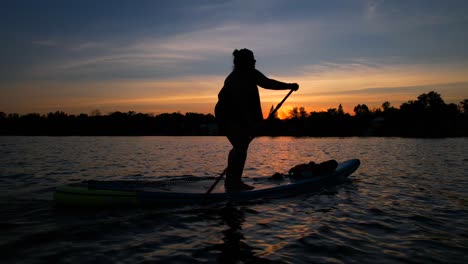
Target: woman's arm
271, 84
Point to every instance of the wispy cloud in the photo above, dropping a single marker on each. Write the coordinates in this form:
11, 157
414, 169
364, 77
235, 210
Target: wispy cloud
89, 45
224, 38
175, 52
45, 43
366, 73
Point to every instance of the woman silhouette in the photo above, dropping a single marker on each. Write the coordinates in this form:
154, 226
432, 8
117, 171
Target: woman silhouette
238, 112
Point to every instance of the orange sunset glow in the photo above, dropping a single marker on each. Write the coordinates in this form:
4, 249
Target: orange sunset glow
364, 55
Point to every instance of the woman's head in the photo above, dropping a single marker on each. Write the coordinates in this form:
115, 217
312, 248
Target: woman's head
243, 59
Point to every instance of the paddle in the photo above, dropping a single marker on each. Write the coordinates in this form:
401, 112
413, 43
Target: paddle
272, 114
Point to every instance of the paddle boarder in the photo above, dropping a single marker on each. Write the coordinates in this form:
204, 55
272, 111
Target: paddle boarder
239, 112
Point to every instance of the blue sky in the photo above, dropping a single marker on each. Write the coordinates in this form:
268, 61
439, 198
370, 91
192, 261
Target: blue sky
166, 56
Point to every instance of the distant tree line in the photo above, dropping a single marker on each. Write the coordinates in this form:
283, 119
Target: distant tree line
114, 124
428, 116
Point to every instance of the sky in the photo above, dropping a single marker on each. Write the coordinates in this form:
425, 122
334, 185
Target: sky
173, 56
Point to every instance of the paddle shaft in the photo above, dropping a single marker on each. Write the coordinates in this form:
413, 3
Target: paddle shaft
271, 115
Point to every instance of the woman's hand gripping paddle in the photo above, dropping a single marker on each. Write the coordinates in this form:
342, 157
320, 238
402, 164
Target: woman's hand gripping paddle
272, 114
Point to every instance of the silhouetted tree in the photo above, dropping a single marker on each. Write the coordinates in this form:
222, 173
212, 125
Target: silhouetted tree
275, 115
333, 122
96, 112
360, 110
297, 113
431, 101
13, 116
464, 106
386, 106
362, 119
428, 116
340, 110
296, 121
332, 111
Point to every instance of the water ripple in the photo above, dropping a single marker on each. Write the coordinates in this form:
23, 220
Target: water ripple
408, 203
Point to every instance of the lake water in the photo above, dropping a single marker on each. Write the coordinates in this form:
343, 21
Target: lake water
407, 203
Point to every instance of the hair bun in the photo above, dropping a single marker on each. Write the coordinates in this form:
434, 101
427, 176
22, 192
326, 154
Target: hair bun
235, 52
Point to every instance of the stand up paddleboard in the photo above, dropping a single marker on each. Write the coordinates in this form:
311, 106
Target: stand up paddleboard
191, 190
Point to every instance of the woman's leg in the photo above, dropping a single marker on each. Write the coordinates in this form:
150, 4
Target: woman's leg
236, 160
239, 138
